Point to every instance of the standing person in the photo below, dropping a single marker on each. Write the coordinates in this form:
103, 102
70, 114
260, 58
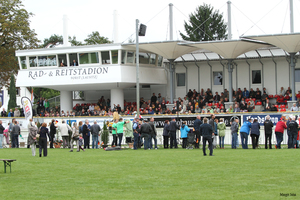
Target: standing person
32, 136
206, 131
95, 129
64, 131
74, 137
120, 126
212, 123
184, 132
145, 131
197, 124
289, 141
128, 132
86, 128
172, 129
279, 129
1, 134
11, 125
215, 127
222, 127
166, 134
80, 142
136, 134
255, 132
52, 132
268, 124
244, 131
114, 133
43, 140
234, 129
16, 131
293, 127
153, 134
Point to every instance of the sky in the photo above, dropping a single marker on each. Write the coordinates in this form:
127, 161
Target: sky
255, 17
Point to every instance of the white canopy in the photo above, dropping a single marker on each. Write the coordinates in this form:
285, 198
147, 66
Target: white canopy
288, 42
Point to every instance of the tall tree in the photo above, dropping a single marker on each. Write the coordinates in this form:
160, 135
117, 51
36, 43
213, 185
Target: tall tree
74, 41
15, 33
12, 103
205, 24
53, 40
95, 38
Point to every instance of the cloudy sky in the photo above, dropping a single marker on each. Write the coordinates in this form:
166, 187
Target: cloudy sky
255, 17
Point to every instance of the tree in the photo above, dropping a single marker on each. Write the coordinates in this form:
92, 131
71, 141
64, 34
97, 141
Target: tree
95, 38
15, 33
204, 25
12, 103
74, 41
53, 40
45, 92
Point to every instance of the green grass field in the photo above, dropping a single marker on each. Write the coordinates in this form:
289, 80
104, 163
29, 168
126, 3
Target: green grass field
151, 174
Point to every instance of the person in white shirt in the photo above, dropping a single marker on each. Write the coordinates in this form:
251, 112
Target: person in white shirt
294, 107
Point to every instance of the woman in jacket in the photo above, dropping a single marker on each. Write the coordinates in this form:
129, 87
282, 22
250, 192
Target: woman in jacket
221, 127
255, 132
43, 139
74, 137
244, 131
32, 137
279, 129
166, 134
64, 131
184, 132
52, 132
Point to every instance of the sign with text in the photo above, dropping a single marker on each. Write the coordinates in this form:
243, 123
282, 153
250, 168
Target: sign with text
261, 118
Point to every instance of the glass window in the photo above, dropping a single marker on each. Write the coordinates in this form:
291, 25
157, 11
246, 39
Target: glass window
180, 78
23, 62
160, 60
33, 61
73, 59
88, 58
47, 61
62, 60
144, 58
297, 75
114, 56
123, 57
256, 76
130, 57
105, 57
218, 78
152, 59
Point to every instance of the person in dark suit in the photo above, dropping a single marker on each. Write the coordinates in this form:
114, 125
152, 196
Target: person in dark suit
74, 63
207, 132
197, 124
172, 129
52, 132
86, 128
43, 139
268, 132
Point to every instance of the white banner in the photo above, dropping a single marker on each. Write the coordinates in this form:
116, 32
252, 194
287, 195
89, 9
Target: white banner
27, 107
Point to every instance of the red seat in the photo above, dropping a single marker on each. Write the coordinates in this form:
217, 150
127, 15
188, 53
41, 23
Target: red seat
209, 104
168, 102
82, 104
247, 100
282, 110
258, 103
270, 96
74, 108
253, 99
286, 106
276, 96
276, 106
217, 105
282, 106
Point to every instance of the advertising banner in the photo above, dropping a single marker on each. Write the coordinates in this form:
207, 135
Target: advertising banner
27, 107
261, 118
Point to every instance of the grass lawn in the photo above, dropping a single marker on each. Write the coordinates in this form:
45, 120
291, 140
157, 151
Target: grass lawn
155, 174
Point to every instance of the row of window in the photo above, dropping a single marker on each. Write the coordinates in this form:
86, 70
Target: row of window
218, 77
103, 57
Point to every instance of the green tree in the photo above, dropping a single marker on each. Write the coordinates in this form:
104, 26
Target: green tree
205, 24
12, 103
53, 39
95, 38
74, 41
45, 92
15, 33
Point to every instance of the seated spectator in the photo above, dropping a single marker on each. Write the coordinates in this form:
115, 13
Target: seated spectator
226, 99
239, 98
230, 109
3, 113
42, 114
264, 98
281, 91
267, 105
245, 93
92, 107
217, 97
294, 107
190, 93
280, 100
252, 93
46, 114
243, 106
204, 110
239, 91
250, 105
151, 111
17, 112
265, 90
226, 94
288, 91
273, 108
257, 96
236, 108
222, 109
197, 110
298, 95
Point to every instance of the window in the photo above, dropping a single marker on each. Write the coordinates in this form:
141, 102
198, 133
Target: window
144, 58
73, 57
62, 58
218, 78
45, 61
160, 60
23, 62
152, 59
114, 56
33, 61
130, 57
180, 78
88, 58
256, 76
105, 57
297, 75
123, 57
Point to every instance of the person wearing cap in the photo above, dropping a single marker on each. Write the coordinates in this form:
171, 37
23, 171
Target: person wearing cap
293, 127
145, 131
172, 129
280, 126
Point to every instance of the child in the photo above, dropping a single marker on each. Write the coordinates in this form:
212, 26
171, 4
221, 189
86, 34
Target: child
6, 134
80, 142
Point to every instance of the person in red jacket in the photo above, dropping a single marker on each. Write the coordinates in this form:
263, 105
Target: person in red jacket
280, 126
280, 100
